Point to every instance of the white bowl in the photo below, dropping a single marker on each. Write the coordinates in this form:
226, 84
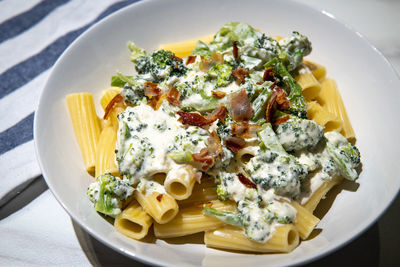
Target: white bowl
368, 84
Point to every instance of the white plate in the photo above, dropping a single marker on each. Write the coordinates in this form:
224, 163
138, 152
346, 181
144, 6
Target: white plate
367, 82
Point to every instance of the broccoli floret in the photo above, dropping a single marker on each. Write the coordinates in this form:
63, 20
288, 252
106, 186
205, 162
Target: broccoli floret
294, 48
108, 194
222, 73
161, 65
297, 134
136, 51
345, 156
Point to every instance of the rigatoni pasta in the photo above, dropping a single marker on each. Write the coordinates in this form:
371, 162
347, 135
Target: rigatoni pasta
234, 136
86, 126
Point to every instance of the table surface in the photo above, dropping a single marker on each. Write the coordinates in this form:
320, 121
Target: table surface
32, 236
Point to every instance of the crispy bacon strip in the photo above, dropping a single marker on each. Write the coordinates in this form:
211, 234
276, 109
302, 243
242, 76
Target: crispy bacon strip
218, 113
151, 89
214, 145
270, 107
218, 94
269, 75
246, 181
245, 129
240, 75
156, 102
239, 106
281, 119
190, 60
204, 158
281, 98
117, 100
176, 58
207, 155
235, 143
173, 96
195, 119
235, 50
159, 197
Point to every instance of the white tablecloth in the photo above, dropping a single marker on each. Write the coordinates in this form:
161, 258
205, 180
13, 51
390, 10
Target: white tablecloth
35, 230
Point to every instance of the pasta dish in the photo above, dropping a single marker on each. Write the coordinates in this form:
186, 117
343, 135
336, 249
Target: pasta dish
234, 135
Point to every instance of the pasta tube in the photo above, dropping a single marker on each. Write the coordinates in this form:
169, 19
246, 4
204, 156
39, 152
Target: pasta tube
183, 49
133, 222
180, 181
284, 239
305, 221
332, 101
323, 117
309, 84
320, 193
192, 220
86, 126
162, 207
201, 193
105, 154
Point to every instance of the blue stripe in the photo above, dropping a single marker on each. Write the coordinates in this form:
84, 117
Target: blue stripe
24, 21
22, 73
18, 134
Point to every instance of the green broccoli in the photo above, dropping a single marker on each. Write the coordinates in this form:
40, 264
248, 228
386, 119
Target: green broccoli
293, 89
161, 65
225, 216
108, 194
294, 48
345, 155
297, 134
136, 51
222, 73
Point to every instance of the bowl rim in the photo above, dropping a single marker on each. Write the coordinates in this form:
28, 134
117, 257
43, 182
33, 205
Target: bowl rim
355, 233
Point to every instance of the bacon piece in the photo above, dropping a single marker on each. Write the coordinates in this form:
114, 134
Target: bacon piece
239, 106
246, 181
245, 129
235, 50
239, 75
207, 155
218, 94
204, 158
218, 113
195, 119
281, 119
159, 197
277, 100
117, 100
173, 96
214, 145
235, 143
281, 98
269, 75
151, 89
156, 102
190, 60
270, 106
176, 58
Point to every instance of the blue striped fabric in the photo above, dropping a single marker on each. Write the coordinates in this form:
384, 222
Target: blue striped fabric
20, 23
16, 76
